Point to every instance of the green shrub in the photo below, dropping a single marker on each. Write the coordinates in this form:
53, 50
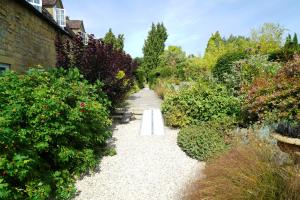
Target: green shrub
195, 69
205, 140
202, 101
246, 70
53, 125
140, 77
224, 64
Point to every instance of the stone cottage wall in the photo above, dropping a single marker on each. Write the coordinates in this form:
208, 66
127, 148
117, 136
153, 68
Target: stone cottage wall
26, 39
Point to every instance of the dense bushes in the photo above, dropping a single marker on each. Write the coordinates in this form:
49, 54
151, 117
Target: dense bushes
248, 171
205, 140
53, 125
202, 101
224, 64
244, 73
276, 98
246, 70
99, 61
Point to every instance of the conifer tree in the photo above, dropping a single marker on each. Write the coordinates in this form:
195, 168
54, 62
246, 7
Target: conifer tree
116, 42
295, 42
153, 47
120, 42
109, 37
288, 42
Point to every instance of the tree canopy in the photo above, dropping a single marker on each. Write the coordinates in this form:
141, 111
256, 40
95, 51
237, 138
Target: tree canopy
116, 42
154, 46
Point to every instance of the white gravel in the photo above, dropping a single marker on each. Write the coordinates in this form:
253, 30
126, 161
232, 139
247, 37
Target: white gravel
145, 167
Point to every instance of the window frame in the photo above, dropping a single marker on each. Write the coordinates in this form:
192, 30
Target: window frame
37, 6
4, 66
60, 19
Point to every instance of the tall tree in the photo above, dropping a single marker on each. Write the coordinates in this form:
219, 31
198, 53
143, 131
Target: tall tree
268, 37
288, 42
295, 42
154, 46
116, 42
109, 37
215, 41
120, 42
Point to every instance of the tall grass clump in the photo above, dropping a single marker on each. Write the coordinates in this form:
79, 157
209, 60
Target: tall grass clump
248, 171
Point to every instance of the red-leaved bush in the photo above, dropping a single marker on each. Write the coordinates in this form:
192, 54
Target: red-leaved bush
99, 61
276, 98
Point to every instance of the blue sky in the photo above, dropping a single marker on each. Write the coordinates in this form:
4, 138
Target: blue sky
189, 22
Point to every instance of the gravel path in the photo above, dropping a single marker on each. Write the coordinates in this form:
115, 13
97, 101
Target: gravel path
145, 167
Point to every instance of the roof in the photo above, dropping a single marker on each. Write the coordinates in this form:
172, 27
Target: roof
52, 3
75, 24
49, 2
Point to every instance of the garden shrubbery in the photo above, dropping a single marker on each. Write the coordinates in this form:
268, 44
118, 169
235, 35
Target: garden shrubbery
224, 64
253, 170
239, 82
275, 98
200, 102
99, 61
53, 126
244, 71
205, 140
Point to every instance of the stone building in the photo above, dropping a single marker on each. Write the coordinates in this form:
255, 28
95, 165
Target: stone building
28, 31
77, 27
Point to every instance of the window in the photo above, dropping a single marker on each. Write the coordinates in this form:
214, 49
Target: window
36, 3
4, 67
85, 38
60, 16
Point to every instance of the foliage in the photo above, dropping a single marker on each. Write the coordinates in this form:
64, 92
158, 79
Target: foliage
246, 70
205, 140
224, 65
154, 46
140, 77
116, 42
53, 125
268, 37
292, 43
218, 46
173, 58
139, 73
194, 69
62, 52
201, 101
163, 87
247, 171
275, 98
215, 48
286, 53
98, 61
